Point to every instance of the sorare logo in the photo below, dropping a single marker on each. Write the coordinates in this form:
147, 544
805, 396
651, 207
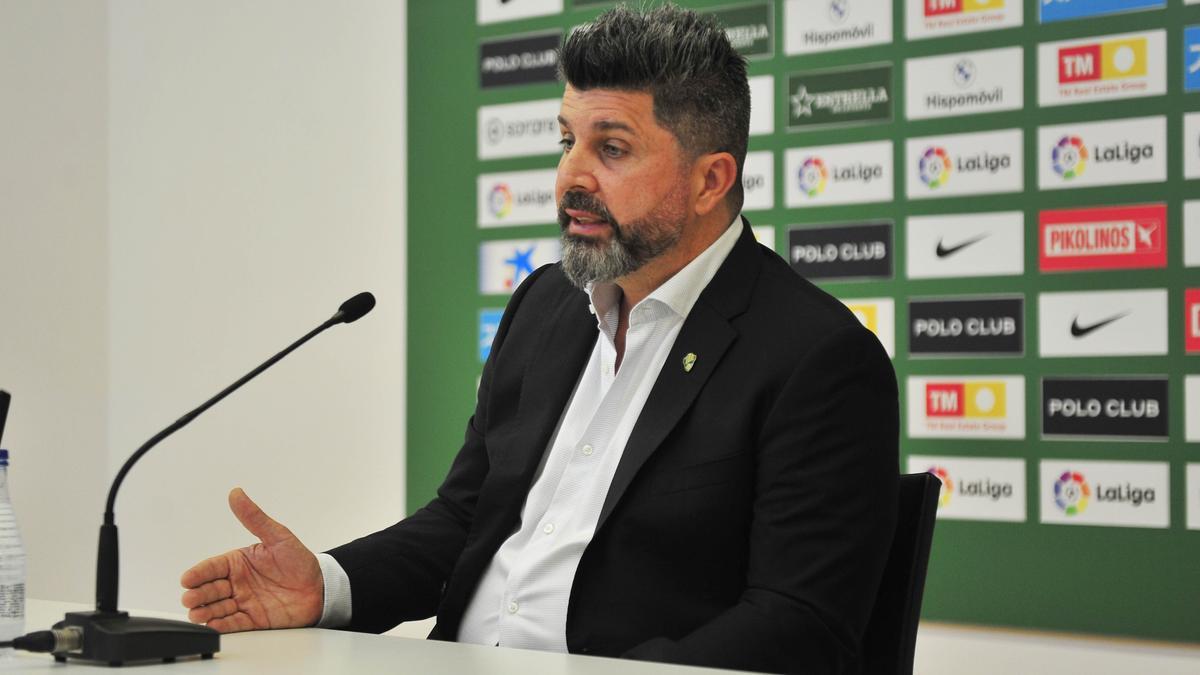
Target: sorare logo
947, 484
1070, 157
1072, 493
935, 167
814, 176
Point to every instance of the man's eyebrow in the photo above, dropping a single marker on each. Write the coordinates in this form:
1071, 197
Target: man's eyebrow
602, 125
562, 122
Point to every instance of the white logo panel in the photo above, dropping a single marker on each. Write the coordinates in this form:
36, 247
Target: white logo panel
519, 129
828, 25
1193, 494
1102, 153
935, 18
494, 11
1191, 233
964, 164
1103, 323
1191, 408
762, 112
878, 315
516, 198
964, 84
1191, 145
966, 245
1123, 494
976, 488
956, 406
765, 234
758, 181
854, 173
1102, 68
503, 265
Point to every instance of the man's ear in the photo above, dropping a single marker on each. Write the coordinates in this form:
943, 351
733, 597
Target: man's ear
715, 174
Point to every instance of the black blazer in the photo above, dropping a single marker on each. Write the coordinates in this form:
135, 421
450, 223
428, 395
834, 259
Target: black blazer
750, 516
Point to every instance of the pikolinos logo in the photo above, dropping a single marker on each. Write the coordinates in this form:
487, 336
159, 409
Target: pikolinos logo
1113, 237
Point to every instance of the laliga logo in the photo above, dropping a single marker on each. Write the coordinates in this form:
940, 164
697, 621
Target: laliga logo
934, 167
1071, 493
1069, 156
947, 484
501, 200
813, 176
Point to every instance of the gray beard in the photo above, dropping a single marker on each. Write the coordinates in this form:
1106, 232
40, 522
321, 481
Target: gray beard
586, 261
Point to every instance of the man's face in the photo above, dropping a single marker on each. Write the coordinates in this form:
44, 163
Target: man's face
622, 185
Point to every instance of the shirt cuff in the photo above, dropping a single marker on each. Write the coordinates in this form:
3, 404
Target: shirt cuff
336, 612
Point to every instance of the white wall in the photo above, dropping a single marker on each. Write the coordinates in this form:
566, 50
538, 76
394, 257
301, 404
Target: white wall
54, 281
254, 177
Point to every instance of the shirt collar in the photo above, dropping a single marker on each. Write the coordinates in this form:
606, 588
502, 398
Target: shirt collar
680, 292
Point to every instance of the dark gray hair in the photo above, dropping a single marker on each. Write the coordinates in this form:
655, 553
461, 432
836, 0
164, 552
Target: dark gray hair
684, 60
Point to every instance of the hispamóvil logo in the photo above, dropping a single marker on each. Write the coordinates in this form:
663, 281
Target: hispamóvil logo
935, 167
813, 176
947, 484
1069, 156
1072, 492
500, 201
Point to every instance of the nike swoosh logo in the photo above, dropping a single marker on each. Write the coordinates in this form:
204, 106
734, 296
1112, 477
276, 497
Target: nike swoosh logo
943, 250
1080, 331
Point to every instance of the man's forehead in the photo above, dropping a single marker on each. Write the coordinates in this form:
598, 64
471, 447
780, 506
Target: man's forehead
608, 108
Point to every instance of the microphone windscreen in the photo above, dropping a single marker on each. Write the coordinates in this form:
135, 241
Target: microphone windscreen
353, 309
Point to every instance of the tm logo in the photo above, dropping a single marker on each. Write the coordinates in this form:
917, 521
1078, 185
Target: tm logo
813, 176
1069, 156
522, 265
1072, 492
934, 167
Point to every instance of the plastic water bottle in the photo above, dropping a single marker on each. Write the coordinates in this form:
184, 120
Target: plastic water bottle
12, 566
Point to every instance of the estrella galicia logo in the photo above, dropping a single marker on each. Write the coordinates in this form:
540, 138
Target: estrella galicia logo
842, 251
1069, 156
489, 324
1120, 408
813, 176
524, 60
934, 166
947, 490
1072, 492
500, 201
978, 325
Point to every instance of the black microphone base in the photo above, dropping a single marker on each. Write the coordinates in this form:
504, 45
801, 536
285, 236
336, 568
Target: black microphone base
116, 638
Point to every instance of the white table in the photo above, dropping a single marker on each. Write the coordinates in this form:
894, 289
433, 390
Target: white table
315, 650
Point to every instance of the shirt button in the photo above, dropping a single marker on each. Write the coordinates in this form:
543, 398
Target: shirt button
548, 528
513, 607
588, 450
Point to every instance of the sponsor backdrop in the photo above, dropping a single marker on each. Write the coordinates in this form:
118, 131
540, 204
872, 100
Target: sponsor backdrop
1005, 191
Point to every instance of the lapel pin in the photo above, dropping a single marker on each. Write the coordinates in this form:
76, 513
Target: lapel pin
688, 362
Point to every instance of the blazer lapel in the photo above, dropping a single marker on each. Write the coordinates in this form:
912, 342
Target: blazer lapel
706, 335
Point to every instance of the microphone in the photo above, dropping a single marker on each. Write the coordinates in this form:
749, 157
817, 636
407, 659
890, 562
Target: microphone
112, 636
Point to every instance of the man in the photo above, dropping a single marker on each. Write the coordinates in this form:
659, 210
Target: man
681, 451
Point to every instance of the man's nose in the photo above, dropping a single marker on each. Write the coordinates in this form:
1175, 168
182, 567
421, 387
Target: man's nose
576, 171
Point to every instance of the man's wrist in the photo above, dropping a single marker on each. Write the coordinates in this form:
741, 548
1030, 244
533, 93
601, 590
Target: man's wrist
336, 608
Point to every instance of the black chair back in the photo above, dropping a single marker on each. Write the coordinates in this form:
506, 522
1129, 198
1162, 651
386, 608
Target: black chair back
891, 635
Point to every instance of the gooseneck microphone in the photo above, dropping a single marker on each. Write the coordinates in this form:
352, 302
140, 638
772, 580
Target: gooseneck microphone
112, 636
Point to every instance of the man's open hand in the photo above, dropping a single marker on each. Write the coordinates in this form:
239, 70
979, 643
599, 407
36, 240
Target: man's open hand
273, 584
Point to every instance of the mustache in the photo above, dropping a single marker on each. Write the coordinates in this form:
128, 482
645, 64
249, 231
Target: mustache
582, 201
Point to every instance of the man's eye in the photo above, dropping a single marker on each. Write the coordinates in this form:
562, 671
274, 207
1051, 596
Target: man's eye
566, 144
613, 151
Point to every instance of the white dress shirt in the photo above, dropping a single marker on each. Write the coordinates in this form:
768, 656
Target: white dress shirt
522, 597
